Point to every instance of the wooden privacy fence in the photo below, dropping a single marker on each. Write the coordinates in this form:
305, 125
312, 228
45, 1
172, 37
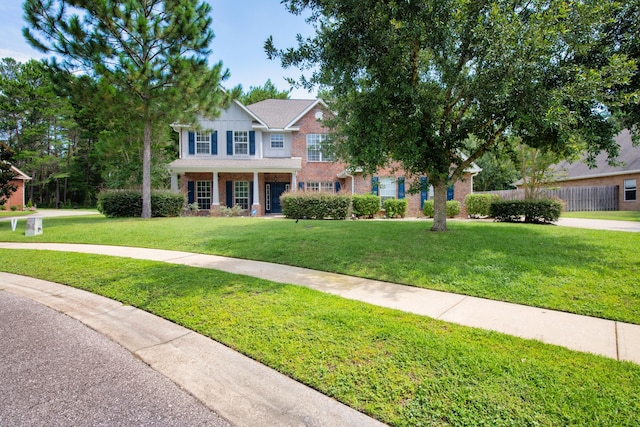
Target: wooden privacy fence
597, 198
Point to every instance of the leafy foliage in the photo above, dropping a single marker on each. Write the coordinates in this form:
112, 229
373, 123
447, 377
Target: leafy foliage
394, 208
365, 205
452, 208
6, 174
128, 203
530, 211
315, 205
422, 83
153, 52
480, 204
261, 93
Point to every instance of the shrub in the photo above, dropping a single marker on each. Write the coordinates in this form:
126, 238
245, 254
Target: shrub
395, 208
313, 205
234, 211
453, 208
480, 204
365, 205
128, 203
530, 211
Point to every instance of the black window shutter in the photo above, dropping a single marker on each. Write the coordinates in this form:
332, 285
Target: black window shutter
252, 143
229, 143
191, 190
192, 143
214, 143
229, 187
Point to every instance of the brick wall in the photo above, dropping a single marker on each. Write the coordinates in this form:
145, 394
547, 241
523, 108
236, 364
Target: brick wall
17, 197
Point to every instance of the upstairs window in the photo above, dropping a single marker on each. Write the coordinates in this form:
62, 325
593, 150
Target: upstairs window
241, 143
203, 142
630, 193
277, 140
319, 148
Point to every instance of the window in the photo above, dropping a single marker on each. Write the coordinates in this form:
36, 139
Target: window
203, 142
325, 187
387, 188
277, 140
241, 143
203, 194
630, 190
319, 148
241, 194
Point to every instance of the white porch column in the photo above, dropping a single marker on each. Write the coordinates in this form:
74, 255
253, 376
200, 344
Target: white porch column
174, 182
215, 196
256, 189
294, 183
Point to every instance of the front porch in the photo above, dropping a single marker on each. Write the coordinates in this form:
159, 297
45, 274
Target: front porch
255, 193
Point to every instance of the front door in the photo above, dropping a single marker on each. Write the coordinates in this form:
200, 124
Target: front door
273, 191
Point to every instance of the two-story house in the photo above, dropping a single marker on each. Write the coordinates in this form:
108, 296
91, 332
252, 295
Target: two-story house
250, 155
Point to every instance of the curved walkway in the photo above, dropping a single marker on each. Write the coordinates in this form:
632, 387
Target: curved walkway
608, 338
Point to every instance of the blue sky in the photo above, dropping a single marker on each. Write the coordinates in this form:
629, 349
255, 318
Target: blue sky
240, 26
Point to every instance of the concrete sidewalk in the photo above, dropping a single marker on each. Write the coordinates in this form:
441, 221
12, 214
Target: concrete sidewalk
608, 338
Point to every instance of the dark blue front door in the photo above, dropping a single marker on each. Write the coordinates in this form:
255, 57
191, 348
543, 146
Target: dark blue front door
273, 191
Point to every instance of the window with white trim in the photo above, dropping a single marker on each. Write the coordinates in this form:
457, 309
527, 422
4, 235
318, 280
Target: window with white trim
630, 190
325, 187
277, 140
240, 142
319, 148
203, 142
387, 188
203, 194
241, 194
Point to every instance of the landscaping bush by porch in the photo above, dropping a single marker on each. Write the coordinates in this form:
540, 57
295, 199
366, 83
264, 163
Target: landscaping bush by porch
365, 205
395, 208
453, 208
313, 205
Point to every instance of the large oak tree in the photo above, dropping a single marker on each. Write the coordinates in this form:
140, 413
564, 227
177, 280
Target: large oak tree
433, 84
153, 50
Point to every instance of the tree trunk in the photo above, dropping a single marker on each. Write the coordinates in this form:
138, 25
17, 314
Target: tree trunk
146, 171
439, 207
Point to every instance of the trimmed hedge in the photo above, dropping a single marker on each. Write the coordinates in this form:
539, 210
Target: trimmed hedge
480, 204
314, 205
365, 205
395, 208
530, 211
453, 208
128, 203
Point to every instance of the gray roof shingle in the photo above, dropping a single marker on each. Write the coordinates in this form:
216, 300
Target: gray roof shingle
278, 113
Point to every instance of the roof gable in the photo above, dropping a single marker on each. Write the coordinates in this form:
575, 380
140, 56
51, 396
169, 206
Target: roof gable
629, 157
282, 113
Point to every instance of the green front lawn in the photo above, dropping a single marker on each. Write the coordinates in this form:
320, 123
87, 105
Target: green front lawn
403, 369
10, 213
587, 272
609, 215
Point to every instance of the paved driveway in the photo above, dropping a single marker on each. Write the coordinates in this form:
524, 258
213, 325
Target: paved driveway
598, 224
57, 372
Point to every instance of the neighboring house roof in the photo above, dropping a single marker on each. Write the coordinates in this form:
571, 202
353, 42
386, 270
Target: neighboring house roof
283, 113
629, 157
19, 174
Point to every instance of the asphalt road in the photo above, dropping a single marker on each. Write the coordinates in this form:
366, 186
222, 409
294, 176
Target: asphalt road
55, 371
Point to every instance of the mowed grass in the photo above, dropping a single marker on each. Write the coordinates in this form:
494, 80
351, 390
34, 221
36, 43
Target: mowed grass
589, 272
608, 215
403, 369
